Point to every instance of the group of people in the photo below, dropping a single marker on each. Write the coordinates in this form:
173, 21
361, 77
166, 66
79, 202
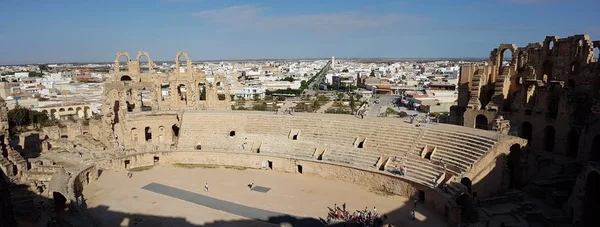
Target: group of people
365, 217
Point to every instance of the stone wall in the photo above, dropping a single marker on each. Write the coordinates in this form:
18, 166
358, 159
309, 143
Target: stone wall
367, 178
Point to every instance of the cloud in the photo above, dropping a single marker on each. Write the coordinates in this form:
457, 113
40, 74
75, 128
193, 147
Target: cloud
253, 17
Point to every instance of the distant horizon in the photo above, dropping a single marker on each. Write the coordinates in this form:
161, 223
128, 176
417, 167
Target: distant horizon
93, 31
258, 59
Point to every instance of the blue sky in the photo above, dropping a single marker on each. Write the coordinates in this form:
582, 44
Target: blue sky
94, 30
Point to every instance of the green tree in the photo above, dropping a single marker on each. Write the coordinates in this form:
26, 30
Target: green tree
344, 70
289, 79
340, 96
372, 73
43, 67
352, 103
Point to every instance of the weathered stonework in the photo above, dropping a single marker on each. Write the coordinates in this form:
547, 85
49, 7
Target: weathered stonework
548, 92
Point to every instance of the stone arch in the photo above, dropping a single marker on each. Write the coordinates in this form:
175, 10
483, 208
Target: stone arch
148, 134
78, 112
202, 91
125, 78
514, 166
549, 136
521, 59
53, 113
526, 131
468, 212
146, 99
175, 130
60, 203
45, 112
188, 61
467, 183
549, 45
161, 134
547, 69
579, 50
501, 60
70, 109
481, 122
591, 199
150, 63
61, 110
117, 64
595, 149
182, 92
573, 143
116, 108
134, 135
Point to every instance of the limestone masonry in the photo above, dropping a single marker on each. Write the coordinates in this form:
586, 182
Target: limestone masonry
529, 126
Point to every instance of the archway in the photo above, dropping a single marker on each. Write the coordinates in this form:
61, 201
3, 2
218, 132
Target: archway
547, 69
149, 63
521, 59
481, 122
146, 99
468, 213
53, 113
526, 131
125, 78
549, 134
550, 47
134, 138
202, 89
573, 143
70, 109
175, 130
579, 48
182, 92
148, 134
591, 199
116, 112
61, 110
161, 134
78, 112
467, 183
505, 56
165, 90
514, 166
60, 203
595, 149
596, 54
122, 60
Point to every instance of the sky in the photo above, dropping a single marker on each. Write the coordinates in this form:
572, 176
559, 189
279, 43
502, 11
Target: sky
94, 30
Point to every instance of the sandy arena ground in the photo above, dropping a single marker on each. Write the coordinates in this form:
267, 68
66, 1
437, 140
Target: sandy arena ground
115, 200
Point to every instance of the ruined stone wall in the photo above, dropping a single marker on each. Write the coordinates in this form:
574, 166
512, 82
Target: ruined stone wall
132, 91
551, 86
549, 93
367, 178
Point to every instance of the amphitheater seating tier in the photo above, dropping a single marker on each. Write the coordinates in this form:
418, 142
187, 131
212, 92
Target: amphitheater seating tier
339, 136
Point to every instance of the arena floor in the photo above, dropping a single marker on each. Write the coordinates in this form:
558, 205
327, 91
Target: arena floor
172, 196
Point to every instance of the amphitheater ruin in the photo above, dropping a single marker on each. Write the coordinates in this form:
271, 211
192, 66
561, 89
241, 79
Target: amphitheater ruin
461, 172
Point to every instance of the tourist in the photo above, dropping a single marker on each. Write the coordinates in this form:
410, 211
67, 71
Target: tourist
206, 187
415, 202
129, 174
374, 211
344, 207
80, 155
250, 185
412, 214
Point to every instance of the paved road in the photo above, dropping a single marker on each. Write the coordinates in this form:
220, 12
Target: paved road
320, 77
230, 207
